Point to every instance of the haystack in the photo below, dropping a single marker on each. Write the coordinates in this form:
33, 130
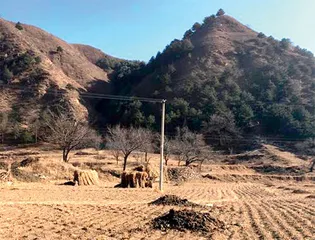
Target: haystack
141, 176
86, 177
154, 172
134, 179
124, 180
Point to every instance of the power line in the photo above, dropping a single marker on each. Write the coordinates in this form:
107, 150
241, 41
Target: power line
131, 98
88, 95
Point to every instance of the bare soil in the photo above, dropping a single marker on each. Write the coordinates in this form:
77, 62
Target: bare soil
265, 208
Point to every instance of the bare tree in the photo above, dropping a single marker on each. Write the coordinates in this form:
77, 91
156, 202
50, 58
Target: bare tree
308, 147
147, 145
190, 147
127, 140
169, 147
114, 152
69, 133
4, 125
34, 123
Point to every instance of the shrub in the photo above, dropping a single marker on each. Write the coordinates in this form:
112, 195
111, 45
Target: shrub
7, 74
209, 20
38, 60
220, 12
261, 35
59, 49
196, 26
26, 137
304, 51
19, 26
285, 43
188, 33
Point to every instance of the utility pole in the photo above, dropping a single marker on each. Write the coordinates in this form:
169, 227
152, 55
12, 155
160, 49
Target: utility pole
162, 145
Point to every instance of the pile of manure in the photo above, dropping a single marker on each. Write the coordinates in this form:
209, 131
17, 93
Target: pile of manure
188, 220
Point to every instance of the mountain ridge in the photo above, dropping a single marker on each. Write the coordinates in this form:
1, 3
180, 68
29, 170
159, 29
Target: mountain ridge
222, 79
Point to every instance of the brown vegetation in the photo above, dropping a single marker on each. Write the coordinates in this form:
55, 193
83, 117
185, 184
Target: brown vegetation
134, 179
85, 177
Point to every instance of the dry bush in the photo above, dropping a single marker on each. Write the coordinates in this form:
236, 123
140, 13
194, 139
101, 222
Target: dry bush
29, 161
41, 170
182, 174
100, 157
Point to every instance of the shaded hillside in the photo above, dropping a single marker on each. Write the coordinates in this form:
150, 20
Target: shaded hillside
227, 81
38, 70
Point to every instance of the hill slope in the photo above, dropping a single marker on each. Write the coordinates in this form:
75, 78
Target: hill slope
34, 60
227, 81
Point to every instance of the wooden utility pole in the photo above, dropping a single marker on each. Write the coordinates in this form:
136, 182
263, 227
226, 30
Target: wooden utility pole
162, 145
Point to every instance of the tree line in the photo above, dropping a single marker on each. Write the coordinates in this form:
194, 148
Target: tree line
68, 132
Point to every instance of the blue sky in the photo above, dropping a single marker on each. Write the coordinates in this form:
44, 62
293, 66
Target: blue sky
137, 29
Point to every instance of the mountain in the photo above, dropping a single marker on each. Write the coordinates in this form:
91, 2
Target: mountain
222, 79
39, 63
225, 80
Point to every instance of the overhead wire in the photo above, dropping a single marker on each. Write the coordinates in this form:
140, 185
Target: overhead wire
88, 94
151, 100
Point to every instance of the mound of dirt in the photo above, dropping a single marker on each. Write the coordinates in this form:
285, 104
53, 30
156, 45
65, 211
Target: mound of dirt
188, 220
270, 169
29, 161
182, 174
173, 200
82, 153
300, 191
